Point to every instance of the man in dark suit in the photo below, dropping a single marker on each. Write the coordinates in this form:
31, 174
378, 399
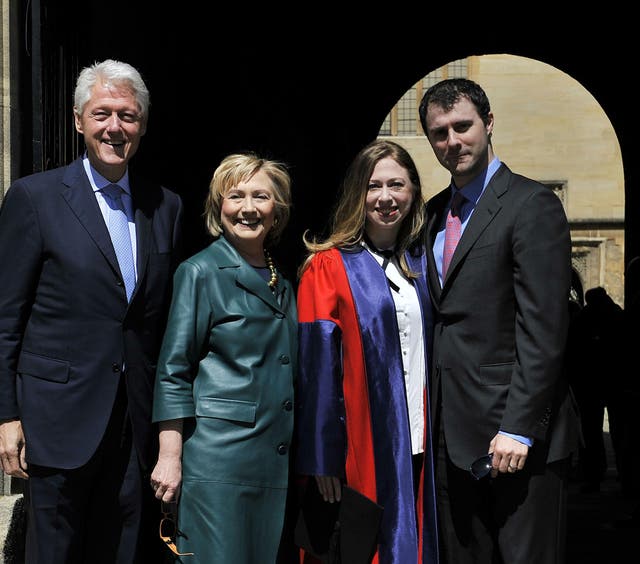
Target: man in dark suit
501, 326
78, 343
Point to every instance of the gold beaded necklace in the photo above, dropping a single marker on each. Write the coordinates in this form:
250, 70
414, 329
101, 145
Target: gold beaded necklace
273, 281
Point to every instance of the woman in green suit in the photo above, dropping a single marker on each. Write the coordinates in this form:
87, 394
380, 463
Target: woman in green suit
224, 387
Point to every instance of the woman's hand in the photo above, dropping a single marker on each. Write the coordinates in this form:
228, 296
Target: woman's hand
329, 487
166, 477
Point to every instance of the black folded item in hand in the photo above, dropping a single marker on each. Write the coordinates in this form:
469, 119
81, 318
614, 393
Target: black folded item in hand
343, 532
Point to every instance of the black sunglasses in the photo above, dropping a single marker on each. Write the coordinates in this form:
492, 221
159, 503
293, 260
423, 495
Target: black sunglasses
481, 467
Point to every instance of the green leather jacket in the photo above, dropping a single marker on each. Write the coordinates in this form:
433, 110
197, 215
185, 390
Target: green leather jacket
227, 367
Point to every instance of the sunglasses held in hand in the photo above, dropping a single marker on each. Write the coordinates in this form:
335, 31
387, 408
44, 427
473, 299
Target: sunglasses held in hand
481, 467
168, 531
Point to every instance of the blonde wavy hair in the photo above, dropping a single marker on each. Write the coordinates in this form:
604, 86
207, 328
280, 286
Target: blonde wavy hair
240, 167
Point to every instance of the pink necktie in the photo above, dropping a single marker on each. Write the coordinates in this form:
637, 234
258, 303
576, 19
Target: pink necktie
452, 231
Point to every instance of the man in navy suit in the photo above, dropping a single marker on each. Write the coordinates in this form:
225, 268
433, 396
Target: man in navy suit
501, 328
77, 356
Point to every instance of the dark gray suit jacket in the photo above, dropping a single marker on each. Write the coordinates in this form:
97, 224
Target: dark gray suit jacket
502, 321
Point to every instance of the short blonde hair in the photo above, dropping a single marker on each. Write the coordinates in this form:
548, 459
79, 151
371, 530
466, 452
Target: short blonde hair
240, 167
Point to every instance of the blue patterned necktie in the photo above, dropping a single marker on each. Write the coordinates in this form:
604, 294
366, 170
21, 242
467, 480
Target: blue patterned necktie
118, 226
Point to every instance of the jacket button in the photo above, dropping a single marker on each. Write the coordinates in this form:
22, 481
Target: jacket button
279, 315
119, 282
115, 367
288, 405
282, 448
284, 359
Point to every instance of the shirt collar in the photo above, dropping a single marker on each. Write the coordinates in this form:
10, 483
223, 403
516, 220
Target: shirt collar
98, 182
474, 189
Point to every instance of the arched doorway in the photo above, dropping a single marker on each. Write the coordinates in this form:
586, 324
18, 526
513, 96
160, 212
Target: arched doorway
547, 127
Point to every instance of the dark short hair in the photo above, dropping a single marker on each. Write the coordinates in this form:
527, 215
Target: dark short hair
446, 94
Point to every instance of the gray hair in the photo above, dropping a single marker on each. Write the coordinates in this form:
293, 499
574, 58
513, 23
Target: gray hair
110, 72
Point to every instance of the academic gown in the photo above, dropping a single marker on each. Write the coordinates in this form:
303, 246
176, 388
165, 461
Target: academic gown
351, 409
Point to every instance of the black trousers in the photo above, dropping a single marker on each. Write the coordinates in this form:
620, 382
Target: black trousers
511, 519
92, 514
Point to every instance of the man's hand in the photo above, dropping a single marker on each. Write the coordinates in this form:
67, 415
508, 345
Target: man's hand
12, 449
509, 455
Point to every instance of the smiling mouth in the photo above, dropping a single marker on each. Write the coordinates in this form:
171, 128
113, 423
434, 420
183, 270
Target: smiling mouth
248, 222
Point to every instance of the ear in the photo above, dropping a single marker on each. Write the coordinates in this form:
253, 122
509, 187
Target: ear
489, 125
143, 127
77, 120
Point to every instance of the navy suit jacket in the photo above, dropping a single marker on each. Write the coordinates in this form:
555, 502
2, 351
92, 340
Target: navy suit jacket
66, 329
502, 321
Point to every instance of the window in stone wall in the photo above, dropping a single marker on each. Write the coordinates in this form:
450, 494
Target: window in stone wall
403, 119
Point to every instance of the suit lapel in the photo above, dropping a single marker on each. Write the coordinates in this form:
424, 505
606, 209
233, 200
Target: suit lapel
82, 201
144, 202
435, 211
248, 278
485, 211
